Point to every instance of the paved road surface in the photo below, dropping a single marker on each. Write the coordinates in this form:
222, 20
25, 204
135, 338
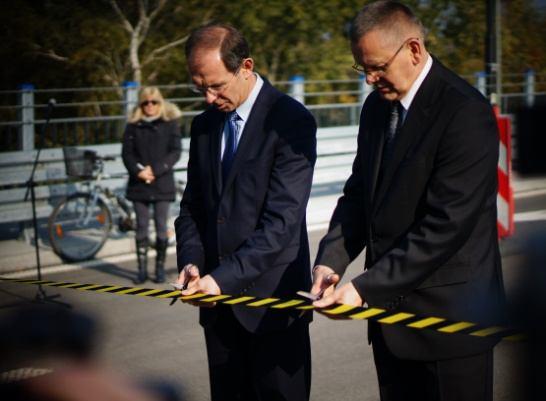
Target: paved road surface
147, 339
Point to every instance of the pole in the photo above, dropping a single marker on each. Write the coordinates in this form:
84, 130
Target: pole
41, 296
26, 116
491, 66
297, 91
498, 41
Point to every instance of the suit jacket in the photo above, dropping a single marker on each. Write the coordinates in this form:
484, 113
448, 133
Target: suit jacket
429, 225
249, 233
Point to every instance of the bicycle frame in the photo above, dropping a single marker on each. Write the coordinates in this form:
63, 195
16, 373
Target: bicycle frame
96, 191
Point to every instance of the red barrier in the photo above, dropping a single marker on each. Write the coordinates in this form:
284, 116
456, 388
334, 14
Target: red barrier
505, 196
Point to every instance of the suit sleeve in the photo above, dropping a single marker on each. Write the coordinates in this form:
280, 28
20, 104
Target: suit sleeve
189, 248
167, 162
462, 187
346, 238
284, 208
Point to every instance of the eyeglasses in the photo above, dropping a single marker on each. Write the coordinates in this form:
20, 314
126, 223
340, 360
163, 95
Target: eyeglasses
147, 102
381, 69
214, 89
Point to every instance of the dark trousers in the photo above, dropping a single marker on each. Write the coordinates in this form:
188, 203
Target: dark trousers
161, 212
461, 379
255, 367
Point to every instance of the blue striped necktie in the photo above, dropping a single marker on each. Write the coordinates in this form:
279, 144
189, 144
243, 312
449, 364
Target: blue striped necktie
231, 143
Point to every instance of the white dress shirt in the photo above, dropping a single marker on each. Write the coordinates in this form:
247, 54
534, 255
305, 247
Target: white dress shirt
408, 99
244, 112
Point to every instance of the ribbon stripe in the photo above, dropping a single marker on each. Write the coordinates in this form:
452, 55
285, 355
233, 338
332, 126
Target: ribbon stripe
396, 317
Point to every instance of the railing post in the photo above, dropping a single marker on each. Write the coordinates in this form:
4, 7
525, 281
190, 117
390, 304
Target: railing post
530, 88
364, 88
297, 90
130, 96
481, 82
25, 138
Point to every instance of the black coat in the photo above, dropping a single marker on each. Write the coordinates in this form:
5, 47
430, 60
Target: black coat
159, 145
430, 225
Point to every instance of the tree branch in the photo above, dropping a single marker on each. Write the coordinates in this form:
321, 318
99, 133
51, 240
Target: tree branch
142, 12
143, 23
124, 21
156, 52
157, 10
50, 53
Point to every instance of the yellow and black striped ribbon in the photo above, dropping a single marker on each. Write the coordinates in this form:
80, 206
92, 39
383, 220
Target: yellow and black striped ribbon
382, 316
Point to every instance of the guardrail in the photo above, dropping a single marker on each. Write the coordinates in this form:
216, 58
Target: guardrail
336, 148
92, 116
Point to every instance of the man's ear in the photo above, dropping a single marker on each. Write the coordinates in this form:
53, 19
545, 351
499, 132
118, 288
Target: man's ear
417, 50
247, 67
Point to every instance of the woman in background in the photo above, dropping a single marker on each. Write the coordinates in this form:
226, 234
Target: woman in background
151, 147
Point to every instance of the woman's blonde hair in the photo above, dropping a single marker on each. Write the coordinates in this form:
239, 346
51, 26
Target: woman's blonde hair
167, 110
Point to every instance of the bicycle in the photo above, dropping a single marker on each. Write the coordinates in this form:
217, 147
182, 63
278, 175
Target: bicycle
79, 226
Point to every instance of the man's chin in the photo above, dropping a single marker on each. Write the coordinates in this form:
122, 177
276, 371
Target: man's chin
225, 107
387, 94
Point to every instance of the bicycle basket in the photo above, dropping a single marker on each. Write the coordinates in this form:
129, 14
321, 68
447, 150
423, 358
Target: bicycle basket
79, 163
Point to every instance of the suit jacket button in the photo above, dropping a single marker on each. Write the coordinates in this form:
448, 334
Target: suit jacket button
220, 220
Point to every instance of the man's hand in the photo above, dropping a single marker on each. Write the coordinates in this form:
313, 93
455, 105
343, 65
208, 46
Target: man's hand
205, 285
346, 294
324, 281
188, 275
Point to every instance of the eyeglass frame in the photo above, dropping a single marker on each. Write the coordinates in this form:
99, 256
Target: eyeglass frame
381, 69
203, 90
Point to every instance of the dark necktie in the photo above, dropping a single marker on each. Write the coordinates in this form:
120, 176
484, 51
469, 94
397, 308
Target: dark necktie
231, 144
395, 121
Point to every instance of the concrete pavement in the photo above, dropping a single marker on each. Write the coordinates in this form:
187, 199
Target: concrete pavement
148, 339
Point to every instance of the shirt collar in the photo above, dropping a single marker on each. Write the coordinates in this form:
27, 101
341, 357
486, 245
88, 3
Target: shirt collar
408, 99
244, 109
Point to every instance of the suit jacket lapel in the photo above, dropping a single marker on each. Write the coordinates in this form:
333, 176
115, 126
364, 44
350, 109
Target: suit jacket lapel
216, 129
377, 141
416, 124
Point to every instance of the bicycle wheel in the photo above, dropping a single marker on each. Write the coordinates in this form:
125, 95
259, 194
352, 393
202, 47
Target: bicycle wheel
79, 226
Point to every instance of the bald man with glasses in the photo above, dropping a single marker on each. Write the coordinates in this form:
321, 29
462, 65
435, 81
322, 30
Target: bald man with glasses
241, 228
421, 200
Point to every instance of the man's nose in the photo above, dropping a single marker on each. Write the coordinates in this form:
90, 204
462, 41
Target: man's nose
371, 78
210, 98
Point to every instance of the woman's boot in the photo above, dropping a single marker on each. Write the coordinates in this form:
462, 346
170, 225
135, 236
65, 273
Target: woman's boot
161, 250
142, 259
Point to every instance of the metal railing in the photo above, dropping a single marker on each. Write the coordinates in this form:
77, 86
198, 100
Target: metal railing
88, 116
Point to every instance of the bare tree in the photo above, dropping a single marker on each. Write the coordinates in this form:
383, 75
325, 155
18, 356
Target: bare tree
138, 33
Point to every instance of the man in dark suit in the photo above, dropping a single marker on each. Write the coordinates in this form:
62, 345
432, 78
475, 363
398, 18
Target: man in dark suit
422, 201
241, 228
